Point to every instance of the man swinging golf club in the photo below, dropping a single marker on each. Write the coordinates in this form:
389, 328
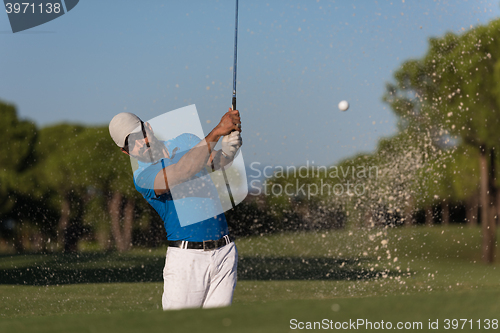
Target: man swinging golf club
201, 260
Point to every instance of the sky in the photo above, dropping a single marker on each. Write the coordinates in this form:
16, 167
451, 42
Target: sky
296, 61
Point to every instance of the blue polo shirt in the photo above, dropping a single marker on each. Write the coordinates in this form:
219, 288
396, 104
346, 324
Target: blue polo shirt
202, 217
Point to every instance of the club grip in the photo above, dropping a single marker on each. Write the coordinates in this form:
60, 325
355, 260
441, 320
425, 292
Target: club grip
234, 103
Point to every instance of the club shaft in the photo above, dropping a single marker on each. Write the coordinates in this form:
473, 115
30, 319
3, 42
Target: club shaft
235, 56
233, 103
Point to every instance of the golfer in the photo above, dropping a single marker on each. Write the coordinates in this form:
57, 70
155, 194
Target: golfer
201, 259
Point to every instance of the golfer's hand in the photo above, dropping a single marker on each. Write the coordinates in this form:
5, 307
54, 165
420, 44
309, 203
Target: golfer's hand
231, 143
230, 122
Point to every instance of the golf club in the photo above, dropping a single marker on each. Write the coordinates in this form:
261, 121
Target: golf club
235, 56
233, 103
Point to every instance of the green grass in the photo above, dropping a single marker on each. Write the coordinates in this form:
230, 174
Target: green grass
438, 274
275, 316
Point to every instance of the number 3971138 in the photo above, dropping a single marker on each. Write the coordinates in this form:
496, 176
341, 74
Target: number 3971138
27, 8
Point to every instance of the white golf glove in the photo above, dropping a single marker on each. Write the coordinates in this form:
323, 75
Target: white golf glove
231, 143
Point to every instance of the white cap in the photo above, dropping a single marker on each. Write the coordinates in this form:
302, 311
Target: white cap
122, 125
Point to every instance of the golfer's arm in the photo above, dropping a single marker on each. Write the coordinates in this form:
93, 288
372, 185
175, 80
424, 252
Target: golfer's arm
188, 166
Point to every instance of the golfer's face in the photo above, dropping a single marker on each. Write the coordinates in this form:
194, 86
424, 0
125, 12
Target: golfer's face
138, 144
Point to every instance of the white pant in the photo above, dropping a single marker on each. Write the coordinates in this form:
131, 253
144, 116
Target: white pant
198, 278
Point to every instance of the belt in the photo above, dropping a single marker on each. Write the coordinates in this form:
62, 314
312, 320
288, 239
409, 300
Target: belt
205, 245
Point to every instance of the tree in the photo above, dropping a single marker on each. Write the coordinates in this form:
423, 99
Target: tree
56, 178
16, 154
453, 92
16, 159
90, 180
100, 166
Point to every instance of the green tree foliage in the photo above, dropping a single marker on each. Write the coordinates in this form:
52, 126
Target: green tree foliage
79, 168
57, 180
454, 89
100, 167
16, 156
67, 181
452, 95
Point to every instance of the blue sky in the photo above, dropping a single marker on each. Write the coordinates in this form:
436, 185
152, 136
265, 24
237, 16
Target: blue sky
296, 61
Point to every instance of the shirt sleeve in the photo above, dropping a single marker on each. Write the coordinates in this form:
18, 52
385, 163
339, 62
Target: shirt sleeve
188, 141
144, 180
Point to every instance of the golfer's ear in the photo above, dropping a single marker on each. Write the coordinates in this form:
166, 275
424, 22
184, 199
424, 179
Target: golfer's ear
124, 151
148, 126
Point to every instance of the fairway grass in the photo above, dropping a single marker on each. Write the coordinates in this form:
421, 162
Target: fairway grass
400, 274
278, 316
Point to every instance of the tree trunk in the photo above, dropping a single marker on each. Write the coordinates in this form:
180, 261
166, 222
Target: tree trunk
127, 225
429, 219
18, 243
408, 213
74, 229
39, 242
488, 241
472, 210
63, 222
492, 205
497, 212
103, 239
370, 223
115, 211
445, 212
122, 236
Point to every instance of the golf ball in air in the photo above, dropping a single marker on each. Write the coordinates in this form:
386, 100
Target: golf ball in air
343, 105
